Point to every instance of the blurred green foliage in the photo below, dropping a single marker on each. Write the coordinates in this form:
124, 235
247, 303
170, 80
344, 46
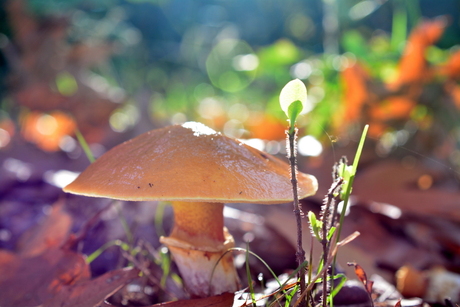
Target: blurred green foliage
208, 61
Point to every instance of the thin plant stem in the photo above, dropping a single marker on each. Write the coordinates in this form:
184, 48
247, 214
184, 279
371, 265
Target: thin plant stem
300, 255
332, 252
329, 203
325, 244
352, 178
310, 270
84, 145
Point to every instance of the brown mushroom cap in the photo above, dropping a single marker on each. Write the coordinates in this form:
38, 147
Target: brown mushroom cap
189, 162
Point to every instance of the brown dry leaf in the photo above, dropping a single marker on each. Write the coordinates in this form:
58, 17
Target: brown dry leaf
398, 107
32, 281
223, 300
92, 292
6, 259
370, 102
392, 182
361, 274
357, 93
40, 54
52, 232
453, 90
104, 304
413, 65
37, 95
452, 68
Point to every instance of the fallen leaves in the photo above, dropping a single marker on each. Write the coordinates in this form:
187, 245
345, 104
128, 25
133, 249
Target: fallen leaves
391, 182
92, 292
52, 231
362, 276
223, 300
413, 67
390, 105
51, 77
45, 272
31, 281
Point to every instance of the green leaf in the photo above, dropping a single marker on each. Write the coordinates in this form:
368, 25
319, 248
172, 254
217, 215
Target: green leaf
293, 99
314, 224
346, 172
294, 110
331, 233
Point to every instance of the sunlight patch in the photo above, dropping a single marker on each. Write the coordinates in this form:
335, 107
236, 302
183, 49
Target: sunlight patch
199, 128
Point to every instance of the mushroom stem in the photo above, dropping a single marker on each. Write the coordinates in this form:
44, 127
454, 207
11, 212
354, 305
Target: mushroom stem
197, 242
199, 224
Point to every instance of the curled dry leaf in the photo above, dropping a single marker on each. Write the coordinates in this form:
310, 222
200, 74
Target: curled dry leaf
223, 300
361, 274
92, 292
33, 280
52, 232
413, 64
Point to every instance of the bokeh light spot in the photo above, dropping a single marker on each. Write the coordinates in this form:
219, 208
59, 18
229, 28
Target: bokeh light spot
245, 62
46, 124
425, 182
4, 138
231, 65
66, 84
309, 146
301, 70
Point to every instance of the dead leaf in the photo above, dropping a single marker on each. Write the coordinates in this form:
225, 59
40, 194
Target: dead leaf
452, 68
92, 292
398, 107
52, 232
361, 274
392, 183
39, 53
223, 300
356, 91
32, 281
368, 101
413, 64
453, 90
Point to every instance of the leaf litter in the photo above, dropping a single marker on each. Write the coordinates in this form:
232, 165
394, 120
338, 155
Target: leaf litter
44, 271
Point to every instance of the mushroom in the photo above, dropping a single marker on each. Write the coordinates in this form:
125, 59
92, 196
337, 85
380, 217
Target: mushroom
197, 170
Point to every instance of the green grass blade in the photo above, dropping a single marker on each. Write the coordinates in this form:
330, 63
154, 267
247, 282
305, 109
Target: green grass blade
104, 247
248, 275
84, 145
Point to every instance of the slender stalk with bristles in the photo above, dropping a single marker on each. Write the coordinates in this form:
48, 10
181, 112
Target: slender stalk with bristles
300, 254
